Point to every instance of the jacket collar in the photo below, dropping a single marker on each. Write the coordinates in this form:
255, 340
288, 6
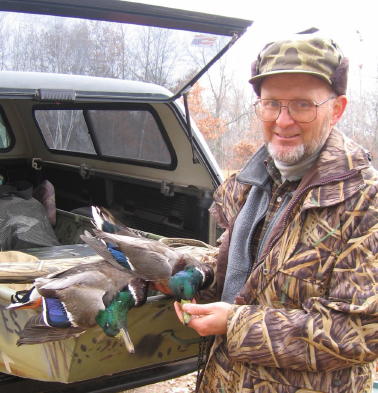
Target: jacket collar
255, 172
337, 172
339, 155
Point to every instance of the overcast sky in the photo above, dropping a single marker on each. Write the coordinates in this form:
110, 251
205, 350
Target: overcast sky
352, 24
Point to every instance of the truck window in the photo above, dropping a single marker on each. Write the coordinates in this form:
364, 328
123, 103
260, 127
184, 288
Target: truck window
132, 134
65, 130
120, 134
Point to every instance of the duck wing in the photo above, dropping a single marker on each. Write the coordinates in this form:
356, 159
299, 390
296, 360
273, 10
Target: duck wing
83, 304
149, 258
108, 252
49, 286
36, 331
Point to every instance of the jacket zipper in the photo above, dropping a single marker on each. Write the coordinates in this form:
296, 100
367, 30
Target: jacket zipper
296, 199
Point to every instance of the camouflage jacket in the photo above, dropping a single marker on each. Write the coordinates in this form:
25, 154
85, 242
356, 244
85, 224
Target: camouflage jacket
307, 318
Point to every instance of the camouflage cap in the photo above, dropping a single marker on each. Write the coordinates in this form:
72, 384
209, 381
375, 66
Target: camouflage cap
315, 56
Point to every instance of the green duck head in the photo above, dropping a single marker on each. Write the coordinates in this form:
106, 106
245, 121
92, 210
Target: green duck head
186, 283
113, 320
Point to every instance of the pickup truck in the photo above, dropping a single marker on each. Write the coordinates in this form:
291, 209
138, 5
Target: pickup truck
127, 145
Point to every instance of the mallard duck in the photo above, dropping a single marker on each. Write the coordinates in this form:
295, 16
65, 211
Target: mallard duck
169, 270
79, 298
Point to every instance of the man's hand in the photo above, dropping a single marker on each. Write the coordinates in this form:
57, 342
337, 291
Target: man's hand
207, 319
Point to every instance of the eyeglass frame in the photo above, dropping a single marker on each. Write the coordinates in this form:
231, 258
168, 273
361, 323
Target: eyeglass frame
316, 105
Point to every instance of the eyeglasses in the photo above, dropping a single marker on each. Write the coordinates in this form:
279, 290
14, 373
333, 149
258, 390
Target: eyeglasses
302, 111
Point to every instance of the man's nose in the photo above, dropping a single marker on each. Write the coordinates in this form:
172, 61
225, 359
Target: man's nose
284, 119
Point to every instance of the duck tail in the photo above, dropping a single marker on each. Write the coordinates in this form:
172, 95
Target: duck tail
105, 221
25, 299
53, 310
98, 221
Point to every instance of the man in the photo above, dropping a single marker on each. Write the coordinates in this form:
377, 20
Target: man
298, 258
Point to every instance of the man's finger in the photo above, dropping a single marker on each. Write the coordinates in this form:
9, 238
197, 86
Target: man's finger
178, 310
197, 309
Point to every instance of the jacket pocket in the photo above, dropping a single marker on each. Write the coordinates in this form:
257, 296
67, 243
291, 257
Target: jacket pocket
306, 273
290, 290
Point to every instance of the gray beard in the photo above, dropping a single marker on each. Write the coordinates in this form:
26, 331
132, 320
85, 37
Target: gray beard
300, 152
288, 157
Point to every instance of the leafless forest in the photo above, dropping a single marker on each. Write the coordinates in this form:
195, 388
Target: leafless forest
221, 107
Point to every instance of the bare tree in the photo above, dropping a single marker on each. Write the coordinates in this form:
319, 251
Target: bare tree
4, 38
151, 55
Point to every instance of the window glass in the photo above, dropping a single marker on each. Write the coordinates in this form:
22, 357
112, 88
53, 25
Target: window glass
5, 139
131, 134
65, 130
56, 44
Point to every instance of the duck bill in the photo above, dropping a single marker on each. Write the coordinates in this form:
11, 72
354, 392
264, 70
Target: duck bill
127, 340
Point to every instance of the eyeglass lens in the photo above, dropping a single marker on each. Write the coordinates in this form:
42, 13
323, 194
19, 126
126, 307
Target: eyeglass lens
300, 110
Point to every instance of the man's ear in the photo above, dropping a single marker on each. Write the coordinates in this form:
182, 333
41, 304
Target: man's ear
339, 106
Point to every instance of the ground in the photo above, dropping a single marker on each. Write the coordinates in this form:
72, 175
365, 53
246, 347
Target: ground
184, 384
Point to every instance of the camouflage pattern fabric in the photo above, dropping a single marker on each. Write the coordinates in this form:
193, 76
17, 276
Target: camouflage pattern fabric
307, 318
316, 56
